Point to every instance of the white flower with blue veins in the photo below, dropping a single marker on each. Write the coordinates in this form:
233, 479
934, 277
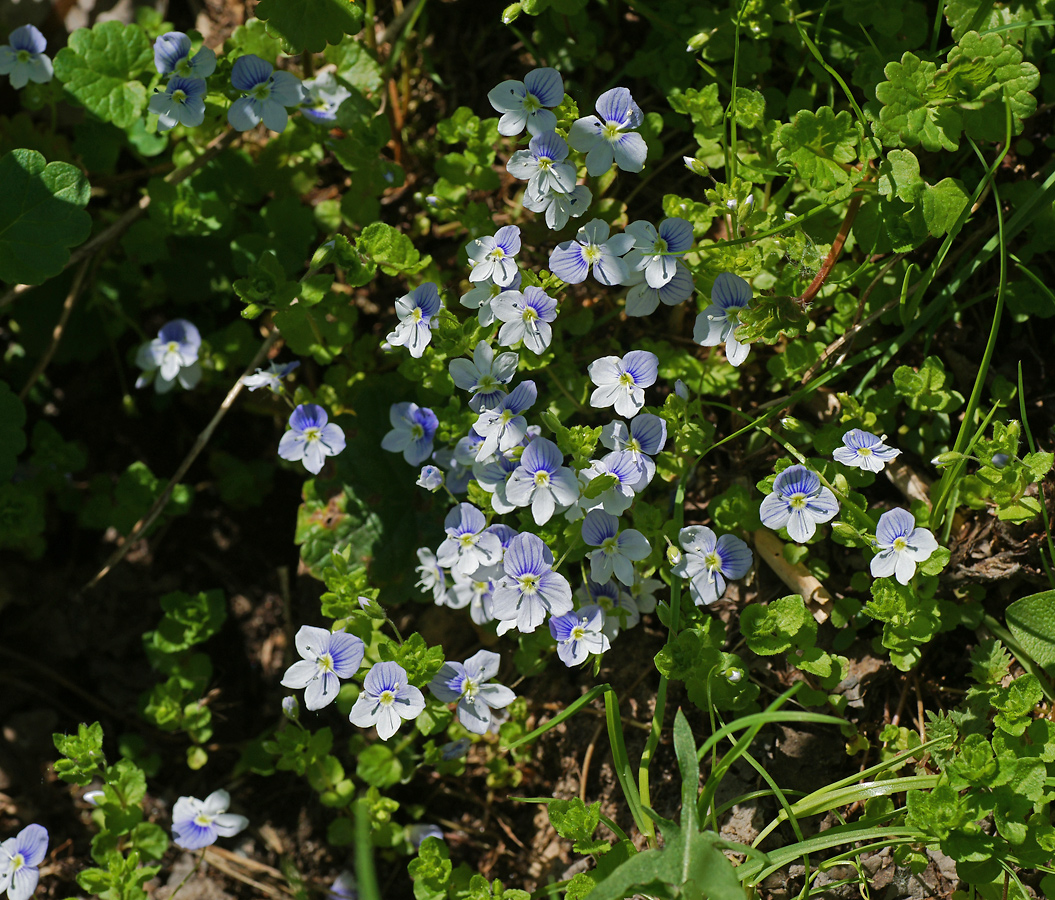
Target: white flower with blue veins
466, 684
504, 426
543, 165
22, 58
433, 578
656, 251
413, 429
311, 438
644, 438
326, 658
271, 378
172, 56
198, 823
542, 481
621, 382
417, 317
483, 296
325, 96
628, 471
266, 94
799, 502
571, 260
493, 258
524, 102
526, 317
717, 323
642, 299
617, 551
20, 859
530, 588
579, 634
181, 103
709, 560
387, 698
611, 137
467, 546
863, 450
171, 358
901, 546
485, 377
559, 207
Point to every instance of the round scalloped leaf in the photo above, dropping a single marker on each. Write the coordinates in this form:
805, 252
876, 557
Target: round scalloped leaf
311, 24
41, 216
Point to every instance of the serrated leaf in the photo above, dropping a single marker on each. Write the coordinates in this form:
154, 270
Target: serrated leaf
776, 627
41, 216
906, 118
820, 146
99, 68
312, 24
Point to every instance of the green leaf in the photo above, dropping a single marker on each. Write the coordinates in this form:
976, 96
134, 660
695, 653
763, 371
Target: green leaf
821, 146
312, 24
393, 251
906, 118
1032, 622
575, 821
99, 67
41, 216
937, 812
419, 660
899, 176
83, 753
777, 626
431, 870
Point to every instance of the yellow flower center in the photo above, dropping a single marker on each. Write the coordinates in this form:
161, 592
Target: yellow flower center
797, 501
386, 698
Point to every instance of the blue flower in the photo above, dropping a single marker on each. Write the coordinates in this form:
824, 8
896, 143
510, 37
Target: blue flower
621, 610
344, 887
864, 450
172, 55
475, 591
643, 439
455, 749
708, 561
559, 207
493, 257
716, 324
485, 377
622, 382
902, 545
612, 136
387, 697
542, 481
628, 471
617, 550
311, 438
325, 97
327, 658
656, 252
269, 93
172, 356
23, 59
571, 260
413, 428
466, 684
430, 478
20, 859
483, 295
798, 502
542, 165
272, 378
468, 546
526, 317
578, 634
503, 427
530, 587
642, 299
198, 823
416, 312
181, 103
522, 102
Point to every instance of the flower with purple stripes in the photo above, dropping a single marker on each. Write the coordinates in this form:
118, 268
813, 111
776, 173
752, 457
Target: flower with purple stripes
387, 698
643, 300
543, 165
413, 428
716, 324
22, 58
416, 311
622, 382
571, 260
523, 102
503, 427
468, 546
623, 471
475, 591
620, 609
266, 94
311, 438
483, 295
579, 634
902, 545
709, 560
559, 207
466, 684
172, 56
20, 859
542, 481
644, 438
172, 357
799, 502
198, 823
494, 257
655, 252
617, 551
485, 377
327, 658
863, 450
526, 317
433, 578
181, 103
325, 97
271, 378
612, 136
530, 588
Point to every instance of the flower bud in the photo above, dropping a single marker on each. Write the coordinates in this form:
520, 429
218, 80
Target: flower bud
511, 13
291, 708
999, 460
946, 459
734, 676
694, 165
673, 555
681, 390
431, 478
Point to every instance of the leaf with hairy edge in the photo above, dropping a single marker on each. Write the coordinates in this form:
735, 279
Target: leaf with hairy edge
906, 118
99, 68
312, 24
821, 146
41, 216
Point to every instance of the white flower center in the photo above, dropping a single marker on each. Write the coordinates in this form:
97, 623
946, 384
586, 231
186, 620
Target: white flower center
324, 662
713, 560
386, 698
530, 314
797, 501
528, 584
23, 56
497, 253
506, 417
864, 451
900, 544
312, 434
531, 103
660, 246
611, 545
592, 253
486, 383
544, 163
416, 314
179, 96
578, 633
627, 380
467, 540
470, 688
610, 132
541, 478
173, 347
203, 819
417, 432
262, 91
